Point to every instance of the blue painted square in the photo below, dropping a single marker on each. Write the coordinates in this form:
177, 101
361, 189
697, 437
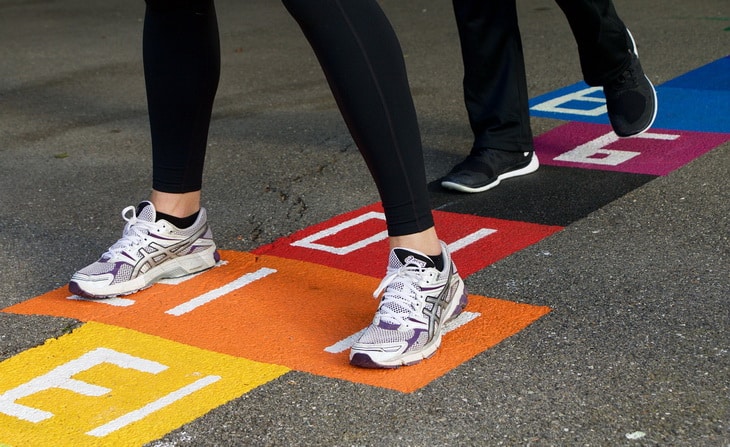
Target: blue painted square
713, 76
696, 101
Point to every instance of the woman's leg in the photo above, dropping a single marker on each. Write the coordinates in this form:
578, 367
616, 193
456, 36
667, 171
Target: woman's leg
168, 236
181, 67
363, 63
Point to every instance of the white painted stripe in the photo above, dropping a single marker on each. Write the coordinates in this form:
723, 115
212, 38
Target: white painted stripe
470, 239
116, 302
346, 343
219, 292
150, 408
657, 136
461, 320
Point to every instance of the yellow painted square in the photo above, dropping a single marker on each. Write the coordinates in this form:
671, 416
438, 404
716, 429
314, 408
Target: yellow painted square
105, 385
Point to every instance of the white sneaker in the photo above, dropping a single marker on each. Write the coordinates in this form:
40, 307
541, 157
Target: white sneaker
148, 251
417, 301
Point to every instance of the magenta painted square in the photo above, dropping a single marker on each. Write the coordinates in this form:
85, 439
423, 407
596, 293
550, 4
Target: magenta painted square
595, 146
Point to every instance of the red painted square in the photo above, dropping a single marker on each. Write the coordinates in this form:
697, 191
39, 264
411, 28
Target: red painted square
356, 241
595, 146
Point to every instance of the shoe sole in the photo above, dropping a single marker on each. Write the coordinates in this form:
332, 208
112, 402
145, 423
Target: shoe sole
529, 169
457, 305
173, 268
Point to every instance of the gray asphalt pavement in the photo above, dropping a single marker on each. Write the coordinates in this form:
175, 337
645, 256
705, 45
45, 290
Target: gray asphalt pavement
636, 350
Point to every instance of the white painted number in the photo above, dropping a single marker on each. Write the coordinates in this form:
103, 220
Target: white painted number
595, 152
309, 241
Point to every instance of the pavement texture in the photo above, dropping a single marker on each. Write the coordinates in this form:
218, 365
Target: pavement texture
636, 349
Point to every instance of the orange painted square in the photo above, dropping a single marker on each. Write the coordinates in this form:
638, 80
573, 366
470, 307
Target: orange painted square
288, 318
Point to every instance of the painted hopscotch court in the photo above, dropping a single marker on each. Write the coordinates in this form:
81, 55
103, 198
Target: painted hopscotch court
143, 365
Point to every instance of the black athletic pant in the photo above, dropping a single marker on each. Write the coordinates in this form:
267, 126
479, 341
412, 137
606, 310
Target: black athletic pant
495, 87
363, 63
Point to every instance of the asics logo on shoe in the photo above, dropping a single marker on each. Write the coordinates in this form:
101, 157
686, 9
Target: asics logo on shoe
438, 305
434, 312
412, 260
155, 253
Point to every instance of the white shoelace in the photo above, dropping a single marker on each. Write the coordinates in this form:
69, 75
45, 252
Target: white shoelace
399, 298
135, 231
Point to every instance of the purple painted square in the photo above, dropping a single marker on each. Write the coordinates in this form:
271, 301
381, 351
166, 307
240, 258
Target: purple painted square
595, 146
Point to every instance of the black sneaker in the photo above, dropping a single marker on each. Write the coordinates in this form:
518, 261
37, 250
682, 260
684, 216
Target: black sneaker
483, 169
631, 99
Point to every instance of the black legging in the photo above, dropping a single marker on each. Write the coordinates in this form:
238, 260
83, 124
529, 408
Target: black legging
361, 58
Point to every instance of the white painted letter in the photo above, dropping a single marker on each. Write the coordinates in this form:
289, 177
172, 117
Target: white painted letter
554, 105
61, 377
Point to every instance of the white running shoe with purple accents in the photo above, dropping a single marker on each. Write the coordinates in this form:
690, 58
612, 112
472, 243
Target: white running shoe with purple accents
148, 251
417, 300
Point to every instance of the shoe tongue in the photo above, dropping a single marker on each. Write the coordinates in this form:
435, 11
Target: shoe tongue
402, 256
400, 309
146, 211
